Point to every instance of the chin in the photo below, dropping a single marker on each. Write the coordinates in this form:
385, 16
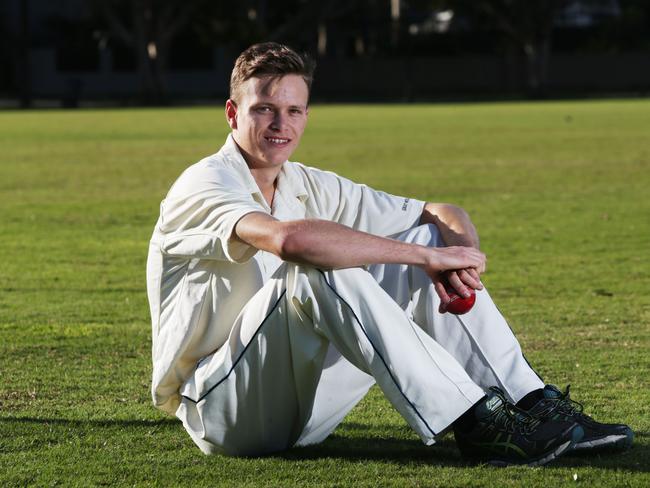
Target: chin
278, 158
277, 161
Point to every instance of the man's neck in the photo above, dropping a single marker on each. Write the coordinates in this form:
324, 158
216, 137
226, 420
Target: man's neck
266, 179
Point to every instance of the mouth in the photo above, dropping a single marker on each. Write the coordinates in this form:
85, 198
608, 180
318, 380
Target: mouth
278, 141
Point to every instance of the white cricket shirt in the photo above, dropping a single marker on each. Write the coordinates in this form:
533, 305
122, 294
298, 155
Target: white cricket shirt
199, 277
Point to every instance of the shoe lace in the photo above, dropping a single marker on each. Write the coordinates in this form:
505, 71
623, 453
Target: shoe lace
513, 419
566, 406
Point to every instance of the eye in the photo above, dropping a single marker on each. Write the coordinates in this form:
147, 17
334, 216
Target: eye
295, 111
263, 109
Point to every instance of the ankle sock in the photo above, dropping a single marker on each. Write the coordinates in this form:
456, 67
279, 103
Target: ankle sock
529, 401
466, 422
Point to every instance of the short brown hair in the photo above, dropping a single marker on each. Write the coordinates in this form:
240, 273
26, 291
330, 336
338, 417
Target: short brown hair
269, 59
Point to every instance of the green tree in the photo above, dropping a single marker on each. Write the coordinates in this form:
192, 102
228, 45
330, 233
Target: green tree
148, 27
527, 26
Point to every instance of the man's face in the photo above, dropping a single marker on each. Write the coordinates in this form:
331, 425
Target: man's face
269, 119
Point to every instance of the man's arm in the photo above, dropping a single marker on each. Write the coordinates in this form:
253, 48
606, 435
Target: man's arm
327, 244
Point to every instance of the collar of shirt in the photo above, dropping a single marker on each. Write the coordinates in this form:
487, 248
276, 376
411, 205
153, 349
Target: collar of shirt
290, 184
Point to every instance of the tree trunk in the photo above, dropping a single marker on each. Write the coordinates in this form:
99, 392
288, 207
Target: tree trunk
537, 58
149, 51
23, 64
160, 70
529, 26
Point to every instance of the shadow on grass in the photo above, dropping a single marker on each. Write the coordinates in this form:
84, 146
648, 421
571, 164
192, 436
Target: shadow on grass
387, 449
357, 445
445, 453
92, 422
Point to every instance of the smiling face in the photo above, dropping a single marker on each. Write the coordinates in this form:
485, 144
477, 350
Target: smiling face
269, 118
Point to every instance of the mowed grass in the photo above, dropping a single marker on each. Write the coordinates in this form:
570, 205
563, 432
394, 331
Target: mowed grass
560, 193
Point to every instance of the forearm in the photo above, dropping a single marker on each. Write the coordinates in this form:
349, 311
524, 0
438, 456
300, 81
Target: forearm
326, 244
454, 224
330, 245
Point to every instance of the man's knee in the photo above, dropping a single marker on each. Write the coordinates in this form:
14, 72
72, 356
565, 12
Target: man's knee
424, 235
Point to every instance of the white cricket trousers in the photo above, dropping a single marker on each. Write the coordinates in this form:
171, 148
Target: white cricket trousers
308, 346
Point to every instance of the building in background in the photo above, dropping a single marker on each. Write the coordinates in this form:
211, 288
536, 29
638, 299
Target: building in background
177, 51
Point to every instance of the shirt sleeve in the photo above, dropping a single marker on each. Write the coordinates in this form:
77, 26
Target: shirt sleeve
361, 207
199, 215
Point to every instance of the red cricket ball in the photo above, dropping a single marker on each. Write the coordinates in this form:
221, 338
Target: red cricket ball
458, 304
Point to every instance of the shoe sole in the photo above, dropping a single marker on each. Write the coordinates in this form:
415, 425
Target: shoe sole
619, 441
576, 435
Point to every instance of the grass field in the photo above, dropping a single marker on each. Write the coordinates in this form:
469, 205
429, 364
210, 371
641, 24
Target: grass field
559, 191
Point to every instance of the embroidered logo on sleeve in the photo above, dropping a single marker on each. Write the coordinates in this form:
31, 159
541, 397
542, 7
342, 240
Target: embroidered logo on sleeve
406, 202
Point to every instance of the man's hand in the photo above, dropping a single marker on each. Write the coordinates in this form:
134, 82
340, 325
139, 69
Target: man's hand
456, 229
458, 267
461, 281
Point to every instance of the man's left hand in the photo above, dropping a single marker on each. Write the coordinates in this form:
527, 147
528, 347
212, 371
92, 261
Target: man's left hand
463, 281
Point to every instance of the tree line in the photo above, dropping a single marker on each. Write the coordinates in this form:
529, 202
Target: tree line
149, 28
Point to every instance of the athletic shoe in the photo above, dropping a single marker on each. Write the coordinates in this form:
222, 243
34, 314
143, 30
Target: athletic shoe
558, 406
504, 434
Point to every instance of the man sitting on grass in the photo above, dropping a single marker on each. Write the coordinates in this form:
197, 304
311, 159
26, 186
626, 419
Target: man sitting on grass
280, 293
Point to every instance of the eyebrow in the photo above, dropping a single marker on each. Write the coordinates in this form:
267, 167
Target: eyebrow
271, 104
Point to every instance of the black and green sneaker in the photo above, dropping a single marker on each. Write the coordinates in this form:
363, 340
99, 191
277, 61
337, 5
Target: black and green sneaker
503, 434
556, 405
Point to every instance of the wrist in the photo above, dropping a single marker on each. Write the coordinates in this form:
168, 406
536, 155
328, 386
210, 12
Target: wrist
428, 257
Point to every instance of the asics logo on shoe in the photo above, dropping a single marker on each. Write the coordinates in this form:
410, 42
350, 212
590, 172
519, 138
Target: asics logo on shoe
493, 403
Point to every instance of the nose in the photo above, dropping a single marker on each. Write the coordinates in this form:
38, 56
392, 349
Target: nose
278, 121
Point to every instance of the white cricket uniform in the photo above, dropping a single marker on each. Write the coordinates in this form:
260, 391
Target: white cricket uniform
256, 355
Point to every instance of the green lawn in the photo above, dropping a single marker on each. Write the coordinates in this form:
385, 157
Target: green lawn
560, 193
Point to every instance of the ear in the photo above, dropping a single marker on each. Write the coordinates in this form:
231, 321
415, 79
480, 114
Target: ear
231, 113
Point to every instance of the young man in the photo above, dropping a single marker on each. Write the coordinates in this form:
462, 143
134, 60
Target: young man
280, 293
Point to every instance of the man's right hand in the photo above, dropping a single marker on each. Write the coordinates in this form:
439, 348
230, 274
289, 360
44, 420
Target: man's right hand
458, 267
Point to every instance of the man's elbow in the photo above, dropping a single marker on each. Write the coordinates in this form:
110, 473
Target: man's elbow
290, 245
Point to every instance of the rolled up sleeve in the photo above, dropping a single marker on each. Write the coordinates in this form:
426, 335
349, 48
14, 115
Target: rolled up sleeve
201, 224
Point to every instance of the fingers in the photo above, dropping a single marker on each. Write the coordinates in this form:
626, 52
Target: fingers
477, 256
457, 284
463, 282
456, 269
465, 257
442, 293
470, 277
475, 273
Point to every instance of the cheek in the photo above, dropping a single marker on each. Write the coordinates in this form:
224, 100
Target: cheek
299, 126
